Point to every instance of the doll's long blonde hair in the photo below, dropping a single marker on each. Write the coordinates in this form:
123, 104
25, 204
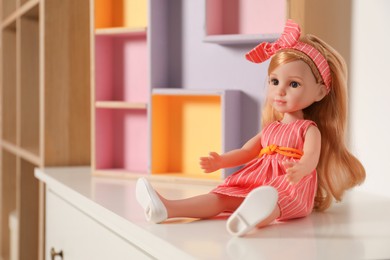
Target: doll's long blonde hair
338, 170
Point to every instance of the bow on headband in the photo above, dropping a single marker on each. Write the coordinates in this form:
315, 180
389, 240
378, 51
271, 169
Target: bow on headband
290, 40
265, 50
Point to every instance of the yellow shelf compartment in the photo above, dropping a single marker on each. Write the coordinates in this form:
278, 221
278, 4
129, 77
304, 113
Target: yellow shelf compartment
120, 13
188, 124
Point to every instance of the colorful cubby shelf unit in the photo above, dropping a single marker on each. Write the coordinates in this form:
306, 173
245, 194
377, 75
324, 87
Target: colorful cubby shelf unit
188, 124
121, 89
244, 21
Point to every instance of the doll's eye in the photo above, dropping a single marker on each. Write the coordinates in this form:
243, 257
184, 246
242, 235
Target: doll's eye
274, 82
294, 84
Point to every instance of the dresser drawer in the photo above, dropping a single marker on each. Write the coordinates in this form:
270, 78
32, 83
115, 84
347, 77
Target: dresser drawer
79, 236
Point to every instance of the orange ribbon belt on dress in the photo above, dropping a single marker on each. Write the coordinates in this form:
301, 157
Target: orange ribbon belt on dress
286, 151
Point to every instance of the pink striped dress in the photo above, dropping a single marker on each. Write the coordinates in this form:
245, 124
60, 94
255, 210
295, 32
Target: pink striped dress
294, 200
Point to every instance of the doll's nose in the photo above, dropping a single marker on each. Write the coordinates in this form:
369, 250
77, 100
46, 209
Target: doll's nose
281, 91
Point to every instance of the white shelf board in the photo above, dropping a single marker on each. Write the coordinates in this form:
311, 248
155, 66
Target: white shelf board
120, 105
230, 39
120, 31
189, 92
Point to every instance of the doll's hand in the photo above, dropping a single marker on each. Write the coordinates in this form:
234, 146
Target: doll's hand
211, 163
294, 171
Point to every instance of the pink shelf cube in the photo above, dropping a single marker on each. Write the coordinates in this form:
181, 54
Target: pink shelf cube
121, 140
245, 16
121, 67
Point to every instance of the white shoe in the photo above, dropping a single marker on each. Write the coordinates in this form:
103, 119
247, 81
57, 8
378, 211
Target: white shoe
147, 197
257, 206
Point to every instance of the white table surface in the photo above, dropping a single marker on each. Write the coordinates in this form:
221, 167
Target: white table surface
357, 228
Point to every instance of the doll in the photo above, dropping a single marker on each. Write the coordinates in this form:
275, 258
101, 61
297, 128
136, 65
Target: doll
298, 162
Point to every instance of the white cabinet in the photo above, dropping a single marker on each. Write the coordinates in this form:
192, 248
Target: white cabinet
88, 217
79, 236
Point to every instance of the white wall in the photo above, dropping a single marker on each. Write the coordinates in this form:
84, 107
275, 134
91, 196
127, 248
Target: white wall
370, 91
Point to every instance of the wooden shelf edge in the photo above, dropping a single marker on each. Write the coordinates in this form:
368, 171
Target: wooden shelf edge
28, 6
120, 105
9, 20
10, 147
230, 39
30, 157
21, 152
19, 12
120, 31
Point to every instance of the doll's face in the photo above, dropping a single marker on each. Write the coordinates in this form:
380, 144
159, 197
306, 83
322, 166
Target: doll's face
293, 87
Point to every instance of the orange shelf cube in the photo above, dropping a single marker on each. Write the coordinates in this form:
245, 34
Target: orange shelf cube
187, 125
120, 13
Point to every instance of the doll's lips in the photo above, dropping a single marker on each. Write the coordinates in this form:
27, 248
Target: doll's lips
279, 102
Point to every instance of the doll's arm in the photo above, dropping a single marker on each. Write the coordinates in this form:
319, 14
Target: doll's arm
295, 171
233, 158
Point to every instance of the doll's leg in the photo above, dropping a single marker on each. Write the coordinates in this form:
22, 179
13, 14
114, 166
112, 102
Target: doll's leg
275, 214
257, 210
158, 209
202, 206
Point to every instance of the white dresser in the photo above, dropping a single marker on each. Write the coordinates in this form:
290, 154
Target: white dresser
98, 218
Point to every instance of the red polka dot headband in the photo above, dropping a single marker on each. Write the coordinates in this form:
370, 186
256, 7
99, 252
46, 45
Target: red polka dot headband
290, 40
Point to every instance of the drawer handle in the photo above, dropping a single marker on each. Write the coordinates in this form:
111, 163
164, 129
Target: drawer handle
53, 254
